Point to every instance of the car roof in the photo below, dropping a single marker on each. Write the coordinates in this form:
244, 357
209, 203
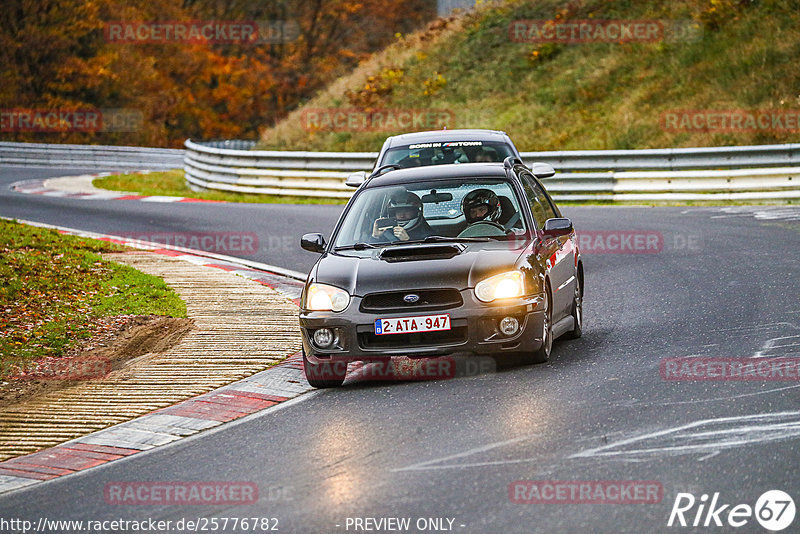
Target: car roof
438, 172
446, 135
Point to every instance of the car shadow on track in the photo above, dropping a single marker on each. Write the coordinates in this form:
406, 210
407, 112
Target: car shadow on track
401, 370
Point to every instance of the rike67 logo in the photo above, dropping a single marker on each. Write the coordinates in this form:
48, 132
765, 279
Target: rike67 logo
774, 510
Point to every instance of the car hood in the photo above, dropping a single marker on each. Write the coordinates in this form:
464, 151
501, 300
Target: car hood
370, 271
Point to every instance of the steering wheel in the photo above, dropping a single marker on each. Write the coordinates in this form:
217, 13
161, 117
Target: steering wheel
483, 229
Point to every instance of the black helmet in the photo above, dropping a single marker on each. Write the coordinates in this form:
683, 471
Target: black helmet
481, 197
405, 200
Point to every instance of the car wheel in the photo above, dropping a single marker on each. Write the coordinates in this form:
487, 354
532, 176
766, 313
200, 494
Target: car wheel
577, 312
324, 375
543, 354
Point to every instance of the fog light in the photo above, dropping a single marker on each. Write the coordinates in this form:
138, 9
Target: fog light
323, 338
509, 326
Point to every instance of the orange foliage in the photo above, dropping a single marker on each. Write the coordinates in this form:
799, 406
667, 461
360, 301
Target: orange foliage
54, 54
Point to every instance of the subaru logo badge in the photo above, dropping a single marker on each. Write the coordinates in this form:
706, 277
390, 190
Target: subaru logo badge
411, 298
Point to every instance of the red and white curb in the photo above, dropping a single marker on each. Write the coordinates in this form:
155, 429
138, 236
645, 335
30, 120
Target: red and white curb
39, 187
263, 390
290, 288
260, 391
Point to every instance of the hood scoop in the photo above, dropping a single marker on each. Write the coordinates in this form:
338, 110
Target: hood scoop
420, 252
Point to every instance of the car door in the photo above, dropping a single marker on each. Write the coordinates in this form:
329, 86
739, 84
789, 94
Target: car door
558, 251
566, 262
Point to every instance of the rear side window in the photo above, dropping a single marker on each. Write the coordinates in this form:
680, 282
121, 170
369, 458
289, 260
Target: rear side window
541, 207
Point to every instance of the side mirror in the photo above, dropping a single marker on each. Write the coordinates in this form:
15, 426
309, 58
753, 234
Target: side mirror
510, 161
356, 179
557, 227
313, 242
543, 170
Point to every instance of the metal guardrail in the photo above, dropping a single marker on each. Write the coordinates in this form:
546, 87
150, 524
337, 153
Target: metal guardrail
90, 156
765, 172
310, 174
671, 159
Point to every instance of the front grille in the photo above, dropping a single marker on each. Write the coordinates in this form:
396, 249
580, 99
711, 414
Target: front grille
429, 299
368, 340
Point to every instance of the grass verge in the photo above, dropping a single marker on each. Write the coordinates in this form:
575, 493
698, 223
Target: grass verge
714, 55
172, 183
56, 290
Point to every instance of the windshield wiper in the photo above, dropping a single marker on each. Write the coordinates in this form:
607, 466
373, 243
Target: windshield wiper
442, 239
429, 239
357, 246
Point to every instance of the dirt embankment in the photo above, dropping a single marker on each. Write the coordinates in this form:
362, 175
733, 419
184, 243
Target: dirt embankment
123, 340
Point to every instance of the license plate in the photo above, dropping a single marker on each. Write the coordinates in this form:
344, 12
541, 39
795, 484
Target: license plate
405, 325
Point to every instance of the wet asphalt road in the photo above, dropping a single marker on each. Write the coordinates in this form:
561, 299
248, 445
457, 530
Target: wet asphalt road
723, 283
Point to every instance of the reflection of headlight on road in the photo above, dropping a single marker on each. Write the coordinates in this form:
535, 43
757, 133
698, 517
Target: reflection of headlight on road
333, 441
321, 297
501, 286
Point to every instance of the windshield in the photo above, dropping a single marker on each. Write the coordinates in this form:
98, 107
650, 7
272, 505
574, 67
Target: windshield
434, 211
438, 153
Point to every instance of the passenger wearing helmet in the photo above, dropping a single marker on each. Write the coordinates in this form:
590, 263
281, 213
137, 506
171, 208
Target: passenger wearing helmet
485, 154
404, 219
481, 205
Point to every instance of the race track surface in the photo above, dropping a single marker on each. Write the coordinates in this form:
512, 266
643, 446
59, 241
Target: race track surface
722, 283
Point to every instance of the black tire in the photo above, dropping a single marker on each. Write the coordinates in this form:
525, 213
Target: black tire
577, 311
543, 354
326, 375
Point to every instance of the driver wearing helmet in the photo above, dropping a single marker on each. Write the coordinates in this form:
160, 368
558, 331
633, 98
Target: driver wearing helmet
481, 205
404, 209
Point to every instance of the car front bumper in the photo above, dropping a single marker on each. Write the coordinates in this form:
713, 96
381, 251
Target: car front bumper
474, 330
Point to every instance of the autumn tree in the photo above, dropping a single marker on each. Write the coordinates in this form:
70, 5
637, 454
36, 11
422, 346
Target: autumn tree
55, 54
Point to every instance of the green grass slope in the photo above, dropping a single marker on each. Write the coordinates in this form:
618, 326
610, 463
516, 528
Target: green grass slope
738, 55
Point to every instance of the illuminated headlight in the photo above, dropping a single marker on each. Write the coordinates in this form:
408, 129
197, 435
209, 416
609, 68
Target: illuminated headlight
321, 297
501, 286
